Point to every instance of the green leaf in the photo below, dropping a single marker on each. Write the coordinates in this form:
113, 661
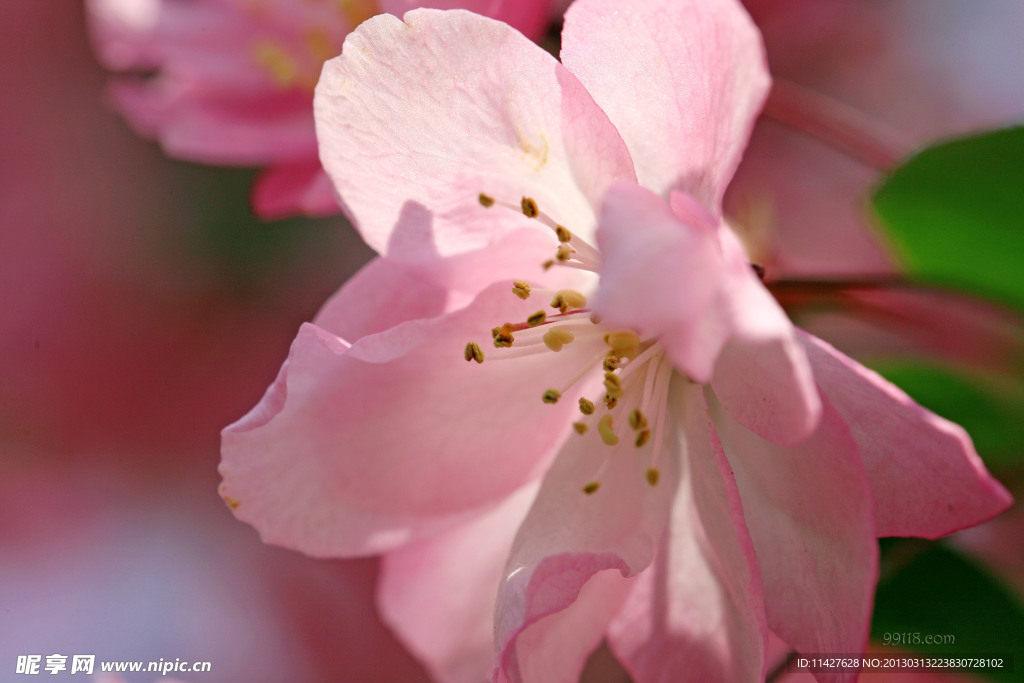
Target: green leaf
954, 214
936, 591
989, 407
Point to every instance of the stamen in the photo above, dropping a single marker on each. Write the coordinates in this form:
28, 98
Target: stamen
637, 420
557, 337
521, 288
642, 438
580, 427
503, 335
473, 352
591, 488
611, 362
610, 402
538, 318
572, 253
604, 428
568, 298
653, 475
625, 343
614, 385
586, 407
551, 396
529, 206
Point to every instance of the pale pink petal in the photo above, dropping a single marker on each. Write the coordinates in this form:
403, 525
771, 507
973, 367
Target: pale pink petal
359, 449
926, 478
666, 272
763, 377
555, 648
529, 17
698, 609
569, 537
682, 80
808, 509
282, 190
421, 117
438, 594
661, 277
381, 295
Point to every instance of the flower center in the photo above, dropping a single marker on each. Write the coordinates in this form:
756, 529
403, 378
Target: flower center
636, 373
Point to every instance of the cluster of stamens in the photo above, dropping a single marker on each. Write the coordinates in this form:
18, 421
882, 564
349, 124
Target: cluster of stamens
636, 374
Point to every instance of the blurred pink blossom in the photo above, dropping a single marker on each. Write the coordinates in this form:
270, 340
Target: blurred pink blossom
230, 82
859, 85
724, 462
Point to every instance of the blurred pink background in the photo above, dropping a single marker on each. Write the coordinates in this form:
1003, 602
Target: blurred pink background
143, 310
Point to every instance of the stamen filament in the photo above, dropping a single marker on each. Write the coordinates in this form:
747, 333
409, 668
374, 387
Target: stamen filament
660, 395
636, 363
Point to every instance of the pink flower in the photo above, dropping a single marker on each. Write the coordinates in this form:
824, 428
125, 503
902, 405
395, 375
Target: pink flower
234, 79
674, 467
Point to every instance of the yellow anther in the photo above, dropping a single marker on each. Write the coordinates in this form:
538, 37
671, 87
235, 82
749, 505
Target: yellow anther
563, 233
586, 407
530, 209
653, 475
563, 253
538, 318
611, 362
610, 401
557, 337
473, 352
486, 200
604, 428
592, 487
520, 288
580, 427
623, 342
503, 336
547, 264
613, 384
552, 396
642, 438
637, 420
568, 298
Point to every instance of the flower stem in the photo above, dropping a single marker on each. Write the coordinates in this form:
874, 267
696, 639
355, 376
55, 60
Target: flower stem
841, 127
